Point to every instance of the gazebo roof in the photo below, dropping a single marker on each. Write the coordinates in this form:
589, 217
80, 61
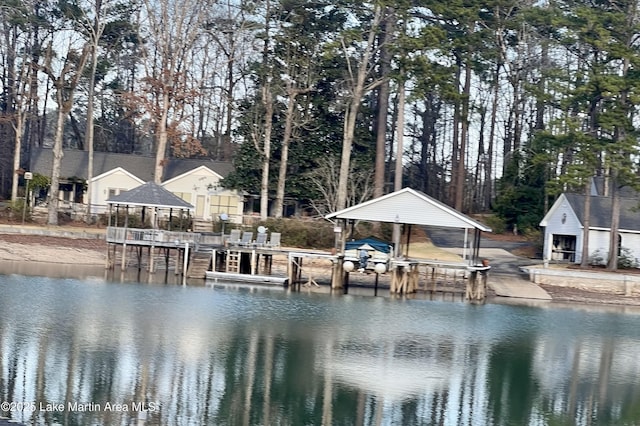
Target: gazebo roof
409, 206
150, 194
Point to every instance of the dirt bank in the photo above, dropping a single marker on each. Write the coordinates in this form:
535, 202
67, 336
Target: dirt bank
38, 248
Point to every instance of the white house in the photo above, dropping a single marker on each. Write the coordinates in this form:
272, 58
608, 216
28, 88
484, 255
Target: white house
108, 184
564, 230
201, 187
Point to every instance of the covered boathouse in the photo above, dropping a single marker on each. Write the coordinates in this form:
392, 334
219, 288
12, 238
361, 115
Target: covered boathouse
406, 208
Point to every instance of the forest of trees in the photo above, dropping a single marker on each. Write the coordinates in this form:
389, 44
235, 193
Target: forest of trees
495, 105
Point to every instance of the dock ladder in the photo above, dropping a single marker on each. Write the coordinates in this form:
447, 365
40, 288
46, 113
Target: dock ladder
233, 261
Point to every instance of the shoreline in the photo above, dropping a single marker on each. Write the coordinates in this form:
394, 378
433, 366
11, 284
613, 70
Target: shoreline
65, 251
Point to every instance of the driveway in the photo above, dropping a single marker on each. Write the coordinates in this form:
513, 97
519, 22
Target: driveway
499, 253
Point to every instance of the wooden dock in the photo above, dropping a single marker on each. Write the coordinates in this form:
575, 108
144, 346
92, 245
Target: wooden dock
189, 254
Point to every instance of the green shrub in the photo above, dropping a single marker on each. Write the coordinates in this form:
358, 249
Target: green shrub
597, 258
497, 224
316, 234
14, 210
625, 259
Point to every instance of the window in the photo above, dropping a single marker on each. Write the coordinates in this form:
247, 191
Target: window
223, 204
186, 196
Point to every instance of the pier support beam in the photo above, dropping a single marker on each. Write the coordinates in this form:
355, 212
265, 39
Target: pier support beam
477, 284
337, 273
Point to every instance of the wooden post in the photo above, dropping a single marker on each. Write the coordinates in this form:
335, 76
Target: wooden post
185, 263
109, 260
177, 260
124, 255
413, 278
253, 262
152, 266
293, 269
375, 288
337, 275
476, 285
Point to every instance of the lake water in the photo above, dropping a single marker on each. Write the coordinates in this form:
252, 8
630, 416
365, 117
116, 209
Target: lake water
90, 351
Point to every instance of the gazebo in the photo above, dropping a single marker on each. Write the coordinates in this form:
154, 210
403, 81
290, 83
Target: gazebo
408, 207
153, 201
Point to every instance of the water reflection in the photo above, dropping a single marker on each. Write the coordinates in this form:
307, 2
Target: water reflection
184, 355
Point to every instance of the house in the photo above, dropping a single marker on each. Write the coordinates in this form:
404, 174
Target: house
110, 184
564, 230
73, 175
201, 187
194, 180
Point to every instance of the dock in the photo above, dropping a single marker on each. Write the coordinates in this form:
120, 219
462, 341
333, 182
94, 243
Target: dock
214, 257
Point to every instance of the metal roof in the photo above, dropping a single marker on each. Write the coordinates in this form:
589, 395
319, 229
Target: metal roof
150, 194
409, 206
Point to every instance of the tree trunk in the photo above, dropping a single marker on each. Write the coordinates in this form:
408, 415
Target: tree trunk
161, 143
17, 129
488, 174
351, 113
267, 99
383, 106
278, 205
54, 189
612, 263
65, 85
586, 224
455, 148
397, 184
10, 83
464, 130
96, 34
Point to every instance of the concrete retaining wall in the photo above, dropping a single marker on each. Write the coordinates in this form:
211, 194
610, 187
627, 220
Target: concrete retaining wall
606, 282
65, 232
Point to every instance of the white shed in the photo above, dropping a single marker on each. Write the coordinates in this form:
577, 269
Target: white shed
564, 230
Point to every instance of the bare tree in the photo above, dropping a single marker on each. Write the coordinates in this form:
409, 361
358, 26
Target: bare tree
290, 121
300, 79
16, 82
358, 83
174, 26
91, 21
65, 84
19, 113
233, 32
325, 178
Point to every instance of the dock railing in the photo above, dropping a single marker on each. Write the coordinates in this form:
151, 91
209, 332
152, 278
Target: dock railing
151, 237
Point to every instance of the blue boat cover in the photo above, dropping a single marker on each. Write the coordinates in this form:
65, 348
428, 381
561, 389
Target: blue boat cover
374, 242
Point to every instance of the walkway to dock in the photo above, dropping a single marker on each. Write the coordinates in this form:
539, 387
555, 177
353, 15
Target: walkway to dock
505, 278
508, 285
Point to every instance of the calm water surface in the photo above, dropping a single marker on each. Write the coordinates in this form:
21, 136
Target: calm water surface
89, 351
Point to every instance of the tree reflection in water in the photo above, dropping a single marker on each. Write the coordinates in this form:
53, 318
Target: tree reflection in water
219, 356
